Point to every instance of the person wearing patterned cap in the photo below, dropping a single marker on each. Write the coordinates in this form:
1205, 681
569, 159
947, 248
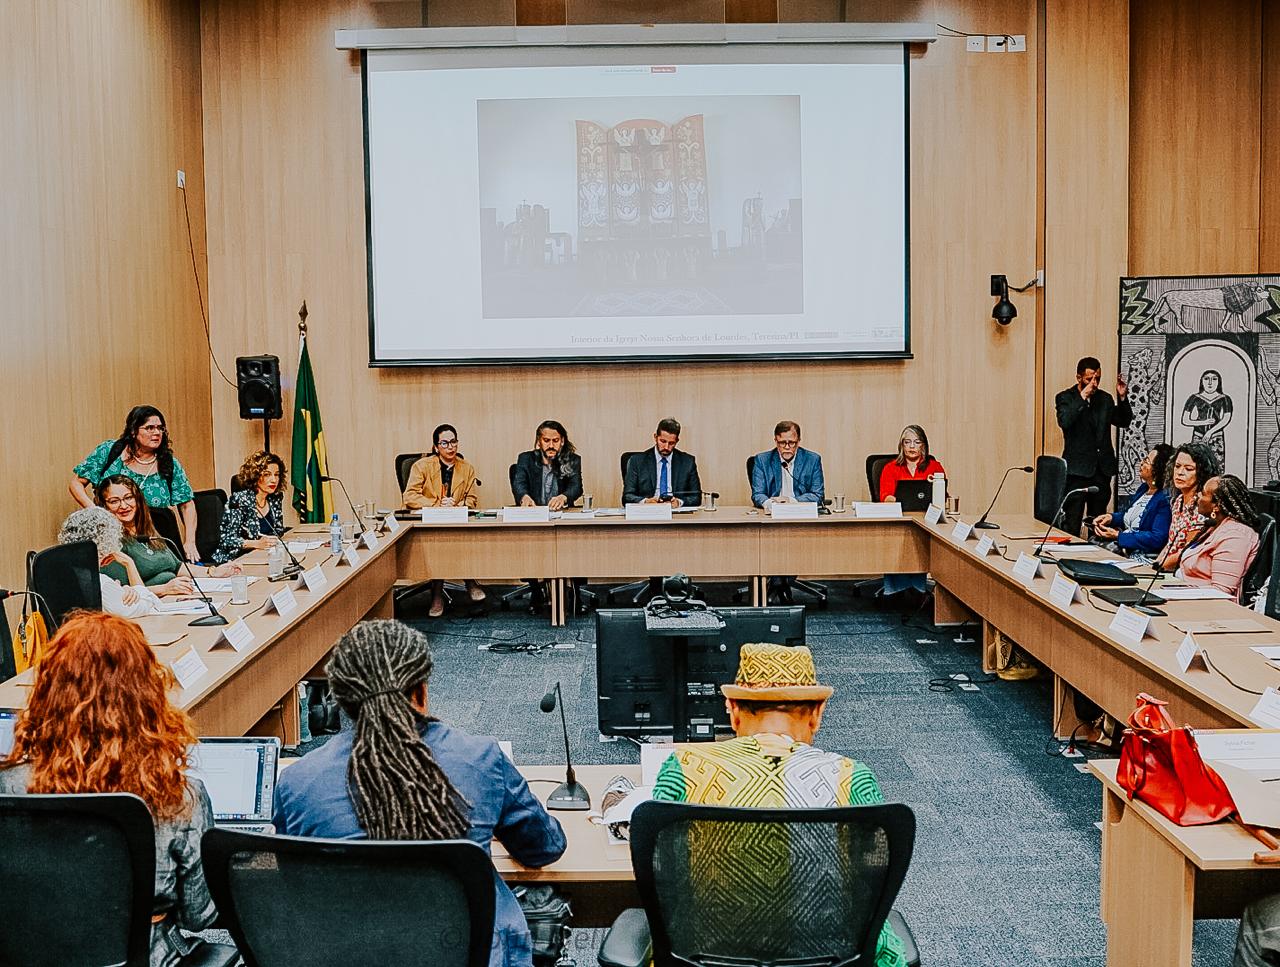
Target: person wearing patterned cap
775, 708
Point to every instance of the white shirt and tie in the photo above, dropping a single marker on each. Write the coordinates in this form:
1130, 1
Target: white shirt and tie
658, 475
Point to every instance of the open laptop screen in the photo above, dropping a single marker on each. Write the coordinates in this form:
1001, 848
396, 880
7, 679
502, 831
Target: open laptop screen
239, 775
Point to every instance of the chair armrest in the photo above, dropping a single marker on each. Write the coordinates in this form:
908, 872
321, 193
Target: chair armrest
626, 944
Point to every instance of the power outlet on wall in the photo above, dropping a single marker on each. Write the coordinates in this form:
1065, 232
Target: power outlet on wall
975, 45
1018, 44
182, 179
997, 44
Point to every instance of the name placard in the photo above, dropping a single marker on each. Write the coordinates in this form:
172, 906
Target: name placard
1190, 655
1129, 627
390, 524
526, 515
1027, 569
962, 531
888, 510
443, 515
314, 579
370, 540
986, 546
1064, 592
794, 510
282, 603
1267, 712
188, 668
237, 634
934, 514
350, 557
648, 511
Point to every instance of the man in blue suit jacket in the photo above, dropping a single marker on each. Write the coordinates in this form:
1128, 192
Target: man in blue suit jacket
788, 472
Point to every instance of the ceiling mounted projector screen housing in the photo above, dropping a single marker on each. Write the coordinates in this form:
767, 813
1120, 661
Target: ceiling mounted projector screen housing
602, 203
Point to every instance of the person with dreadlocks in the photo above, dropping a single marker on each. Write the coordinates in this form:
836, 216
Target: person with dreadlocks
1221, 553
395, 773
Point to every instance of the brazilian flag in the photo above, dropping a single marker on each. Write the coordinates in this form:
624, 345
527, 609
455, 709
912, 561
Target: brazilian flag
312, 497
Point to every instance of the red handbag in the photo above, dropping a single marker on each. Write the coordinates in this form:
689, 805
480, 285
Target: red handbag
1161, 765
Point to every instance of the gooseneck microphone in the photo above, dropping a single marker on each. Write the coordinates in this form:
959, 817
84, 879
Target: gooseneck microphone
987, 524
354, 515
1147, 599
1058, 513
204, 621
292, 569
570, 794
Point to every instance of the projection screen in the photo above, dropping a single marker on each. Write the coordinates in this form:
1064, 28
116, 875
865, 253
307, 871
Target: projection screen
590, 204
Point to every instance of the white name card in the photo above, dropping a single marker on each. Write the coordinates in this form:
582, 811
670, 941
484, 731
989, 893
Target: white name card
934, 514
648, 511
1189, 655
962, 531
888, 510
526, 515
1129, 627
350, 557
1267, 712
986, 545
237, 634
282, 603
314, 579
443, 515
1064, 592
795, 510
1027, 569
370, 540
188, 668
390, 523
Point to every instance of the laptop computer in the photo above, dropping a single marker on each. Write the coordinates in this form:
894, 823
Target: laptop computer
1129, 597
914, 494
240, 776
8, 718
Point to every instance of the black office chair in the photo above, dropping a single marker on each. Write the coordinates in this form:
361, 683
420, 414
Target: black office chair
404, 464
165, 522
80, 870
333, 903
759, 886
210, 506
8, 664
819, 591
1264, 564
1051, 486
876, 462
639, 591
65, 577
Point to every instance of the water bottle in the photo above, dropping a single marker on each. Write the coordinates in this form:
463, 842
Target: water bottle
275, 561
335, 536
940, 490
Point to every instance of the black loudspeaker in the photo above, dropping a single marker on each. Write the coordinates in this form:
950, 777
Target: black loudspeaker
258, 387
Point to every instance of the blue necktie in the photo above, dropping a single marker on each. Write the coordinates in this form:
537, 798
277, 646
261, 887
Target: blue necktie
663, 488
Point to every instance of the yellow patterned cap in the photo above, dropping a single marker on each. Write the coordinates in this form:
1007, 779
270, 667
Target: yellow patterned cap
776, 673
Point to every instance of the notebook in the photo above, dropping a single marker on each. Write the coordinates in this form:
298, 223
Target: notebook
240, 776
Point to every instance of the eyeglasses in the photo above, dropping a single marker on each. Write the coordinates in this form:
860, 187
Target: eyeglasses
152, 428
788, 444
113, 502
911, 442
451, 444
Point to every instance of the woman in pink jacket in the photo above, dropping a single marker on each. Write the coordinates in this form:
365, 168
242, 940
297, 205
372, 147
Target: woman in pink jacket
1222, 552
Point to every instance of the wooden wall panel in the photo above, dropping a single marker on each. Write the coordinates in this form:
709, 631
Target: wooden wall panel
1195, 117
286, 183
1086, 188
100, 105
1269, 240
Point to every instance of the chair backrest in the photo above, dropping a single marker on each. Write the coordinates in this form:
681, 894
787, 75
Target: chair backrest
876, 463
404, 463
729, 885
1264, 563
751, 470
79, 874
1051, 487
626, 458
351, 901
210, 506
66, 578
511, 478
8, 664
166, 524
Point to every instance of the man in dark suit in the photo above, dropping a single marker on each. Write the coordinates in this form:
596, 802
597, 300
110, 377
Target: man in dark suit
549, 475
663, 474
1086, 415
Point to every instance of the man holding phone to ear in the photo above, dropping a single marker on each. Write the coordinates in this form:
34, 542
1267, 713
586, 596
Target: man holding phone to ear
1086, 415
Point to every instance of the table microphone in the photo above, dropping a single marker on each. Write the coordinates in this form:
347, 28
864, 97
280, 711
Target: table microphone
570, 794
354, 515
204, 621
1057, 513
1140, 605
292, 569
983, 522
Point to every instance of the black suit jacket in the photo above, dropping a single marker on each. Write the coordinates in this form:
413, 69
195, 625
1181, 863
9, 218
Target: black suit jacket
1086, 431
528, 477
642, 478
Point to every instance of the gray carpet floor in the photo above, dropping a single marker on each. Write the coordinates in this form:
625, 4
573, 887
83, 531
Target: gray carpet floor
1006, 864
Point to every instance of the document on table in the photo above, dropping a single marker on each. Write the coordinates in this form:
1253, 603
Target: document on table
301, 547
1191, 592
182, 607
220, 585
1223, 626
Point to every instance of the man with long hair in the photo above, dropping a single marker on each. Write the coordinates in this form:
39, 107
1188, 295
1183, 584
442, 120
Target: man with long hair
98, 720
393, 772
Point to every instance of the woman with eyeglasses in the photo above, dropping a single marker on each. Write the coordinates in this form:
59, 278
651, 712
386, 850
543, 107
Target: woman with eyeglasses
914, 462
157, 565
443, 479
143, 454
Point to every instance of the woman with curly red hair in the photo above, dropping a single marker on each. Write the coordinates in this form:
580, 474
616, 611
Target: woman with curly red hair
98, 720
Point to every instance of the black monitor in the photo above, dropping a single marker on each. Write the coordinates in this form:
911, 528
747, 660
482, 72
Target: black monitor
661, 685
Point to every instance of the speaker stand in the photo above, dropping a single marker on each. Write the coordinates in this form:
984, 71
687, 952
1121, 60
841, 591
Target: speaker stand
266, 434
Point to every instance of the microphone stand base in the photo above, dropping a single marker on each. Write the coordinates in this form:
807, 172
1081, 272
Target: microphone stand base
208, 621
987, 525
566, 796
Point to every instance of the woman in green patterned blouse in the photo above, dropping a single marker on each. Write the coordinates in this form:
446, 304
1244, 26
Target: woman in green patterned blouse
142, 453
